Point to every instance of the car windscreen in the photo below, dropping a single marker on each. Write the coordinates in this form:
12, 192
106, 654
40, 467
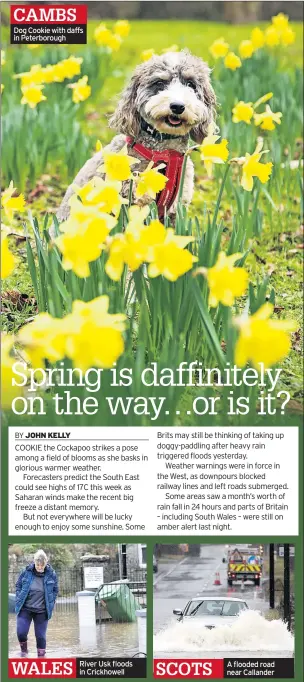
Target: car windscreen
214, 608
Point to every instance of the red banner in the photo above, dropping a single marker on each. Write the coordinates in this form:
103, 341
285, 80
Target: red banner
48, 14
41, 667
181, 668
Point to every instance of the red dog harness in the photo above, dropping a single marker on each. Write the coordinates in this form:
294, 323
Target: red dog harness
173, 161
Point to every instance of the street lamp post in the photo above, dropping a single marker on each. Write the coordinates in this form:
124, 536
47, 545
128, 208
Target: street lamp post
287, 614
271, 576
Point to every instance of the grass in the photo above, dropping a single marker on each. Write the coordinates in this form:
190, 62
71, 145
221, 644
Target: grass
275, 253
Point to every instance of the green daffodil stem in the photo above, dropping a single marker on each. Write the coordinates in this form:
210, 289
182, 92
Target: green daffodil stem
130, 197
212, 339
220, 194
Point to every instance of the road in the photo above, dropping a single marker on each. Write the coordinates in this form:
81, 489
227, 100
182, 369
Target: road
179, 580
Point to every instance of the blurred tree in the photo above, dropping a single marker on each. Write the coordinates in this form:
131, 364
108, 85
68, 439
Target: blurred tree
59, 555
233, 12
241, 12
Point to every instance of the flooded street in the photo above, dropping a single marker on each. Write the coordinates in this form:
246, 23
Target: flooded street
180, 580
63, 637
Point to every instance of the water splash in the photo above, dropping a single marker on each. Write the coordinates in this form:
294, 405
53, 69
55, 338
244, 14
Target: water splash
250, 632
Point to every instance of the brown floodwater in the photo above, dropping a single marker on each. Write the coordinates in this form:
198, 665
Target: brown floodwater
64, 638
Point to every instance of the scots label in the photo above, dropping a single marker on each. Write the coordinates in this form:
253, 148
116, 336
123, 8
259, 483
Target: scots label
48, 24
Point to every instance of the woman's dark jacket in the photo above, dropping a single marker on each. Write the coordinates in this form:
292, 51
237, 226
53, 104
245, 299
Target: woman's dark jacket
50, 588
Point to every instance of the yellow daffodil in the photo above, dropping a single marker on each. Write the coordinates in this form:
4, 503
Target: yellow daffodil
232, 61
257, 38
8, 391
114, 42
82, 193
81, 90
242, 111
280, 32
287, 36
32, 95
103, 36
77, 253
10, 203
147, 54
98, 146
94, 335
124, 249
272, 37
170, 258
225, 281
150, 236
83, 237
8, 260
213, 153
219, 48
131, 248
122, 28
2, 88
3, 60
153, 244
263, 99
48, 74
33, 47
246, 49
33, 77
252, 168
150, 182
117, 166
280, 21
43, 339
116, 258
71, 66
59, 72
267, 119
262, 340
105, 196
137, 218
87, 212
89, 335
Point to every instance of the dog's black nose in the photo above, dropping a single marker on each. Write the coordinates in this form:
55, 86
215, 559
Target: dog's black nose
177, 107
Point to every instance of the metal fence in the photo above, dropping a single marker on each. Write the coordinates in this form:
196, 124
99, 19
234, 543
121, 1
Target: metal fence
123, 595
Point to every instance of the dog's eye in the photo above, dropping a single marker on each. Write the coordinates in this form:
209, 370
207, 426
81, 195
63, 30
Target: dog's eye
159, 84
191, 84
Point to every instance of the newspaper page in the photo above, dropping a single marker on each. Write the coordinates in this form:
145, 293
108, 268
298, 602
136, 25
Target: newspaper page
151, 264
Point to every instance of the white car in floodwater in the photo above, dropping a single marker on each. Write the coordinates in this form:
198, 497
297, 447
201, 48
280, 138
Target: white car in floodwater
211, 612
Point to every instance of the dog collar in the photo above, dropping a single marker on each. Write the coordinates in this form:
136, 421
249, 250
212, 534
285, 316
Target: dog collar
155, 133
173, 162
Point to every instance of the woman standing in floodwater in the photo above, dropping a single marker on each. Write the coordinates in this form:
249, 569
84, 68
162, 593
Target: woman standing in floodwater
36, 592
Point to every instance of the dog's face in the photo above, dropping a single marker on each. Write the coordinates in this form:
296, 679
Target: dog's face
171, 98
172, 93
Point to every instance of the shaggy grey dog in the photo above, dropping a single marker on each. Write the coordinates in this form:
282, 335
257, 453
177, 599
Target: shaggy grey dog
168, 101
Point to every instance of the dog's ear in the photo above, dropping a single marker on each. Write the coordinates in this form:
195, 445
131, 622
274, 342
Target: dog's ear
126, 118
199, 133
